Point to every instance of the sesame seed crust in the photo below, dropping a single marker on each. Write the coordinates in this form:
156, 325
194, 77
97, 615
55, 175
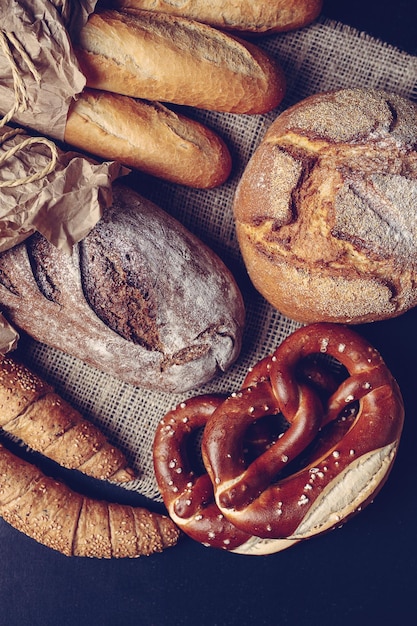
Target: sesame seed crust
56, 516
31, 411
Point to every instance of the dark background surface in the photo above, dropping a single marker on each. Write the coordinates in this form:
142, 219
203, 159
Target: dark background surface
393, 22
364, 573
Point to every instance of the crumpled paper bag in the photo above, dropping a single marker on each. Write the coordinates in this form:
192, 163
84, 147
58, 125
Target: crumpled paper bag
43, 188
9, 336
60, 194
39, 72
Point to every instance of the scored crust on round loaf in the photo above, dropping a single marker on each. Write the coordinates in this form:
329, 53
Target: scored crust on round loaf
326, 208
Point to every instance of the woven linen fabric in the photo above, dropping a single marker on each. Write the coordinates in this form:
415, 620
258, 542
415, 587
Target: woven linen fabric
326, 55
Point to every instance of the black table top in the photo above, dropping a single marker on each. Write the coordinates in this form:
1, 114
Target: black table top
363, 573
393, 23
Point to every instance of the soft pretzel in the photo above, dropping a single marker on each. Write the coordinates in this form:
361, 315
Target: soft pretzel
187, 493
332, 457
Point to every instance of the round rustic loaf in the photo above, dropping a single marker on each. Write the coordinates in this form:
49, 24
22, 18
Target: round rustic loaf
140, 298
326, 208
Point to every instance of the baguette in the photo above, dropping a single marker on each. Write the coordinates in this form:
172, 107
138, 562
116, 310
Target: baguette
171, 59
149, 137
140, 298
31, 411
248, 16
54, 515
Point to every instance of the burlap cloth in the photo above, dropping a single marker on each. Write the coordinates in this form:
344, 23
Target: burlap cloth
324, 56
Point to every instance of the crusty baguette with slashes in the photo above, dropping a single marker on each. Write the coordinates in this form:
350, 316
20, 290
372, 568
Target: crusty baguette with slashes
52, 514
155, 56
249, 16
32, 412
149, 137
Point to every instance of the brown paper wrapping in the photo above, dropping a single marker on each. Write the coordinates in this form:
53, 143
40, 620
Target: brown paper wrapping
9, 337
39, 73
43, 188
63, 204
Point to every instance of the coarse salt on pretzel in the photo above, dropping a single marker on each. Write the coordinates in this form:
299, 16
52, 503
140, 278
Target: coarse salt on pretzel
347, 456
188, 493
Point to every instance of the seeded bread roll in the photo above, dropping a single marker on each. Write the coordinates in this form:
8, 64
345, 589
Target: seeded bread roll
54, 515
149, 137
140, 298
326, 209
251, 16
155, 56
34, 413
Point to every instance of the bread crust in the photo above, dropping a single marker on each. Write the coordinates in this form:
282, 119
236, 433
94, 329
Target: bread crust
34, 413
325, 211
52, 514
149, 137
160, 57
250, 16
140, 298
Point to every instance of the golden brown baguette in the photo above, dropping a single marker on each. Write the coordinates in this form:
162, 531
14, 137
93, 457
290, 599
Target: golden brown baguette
250, 16
31, 411
49, 512
149, 137
162, 57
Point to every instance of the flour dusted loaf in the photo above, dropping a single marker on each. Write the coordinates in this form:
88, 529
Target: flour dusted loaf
140, 298
156, 56
251, 16
326, 208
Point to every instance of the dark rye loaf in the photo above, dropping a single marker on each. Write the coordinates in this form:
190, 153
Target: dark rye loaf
140, 298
